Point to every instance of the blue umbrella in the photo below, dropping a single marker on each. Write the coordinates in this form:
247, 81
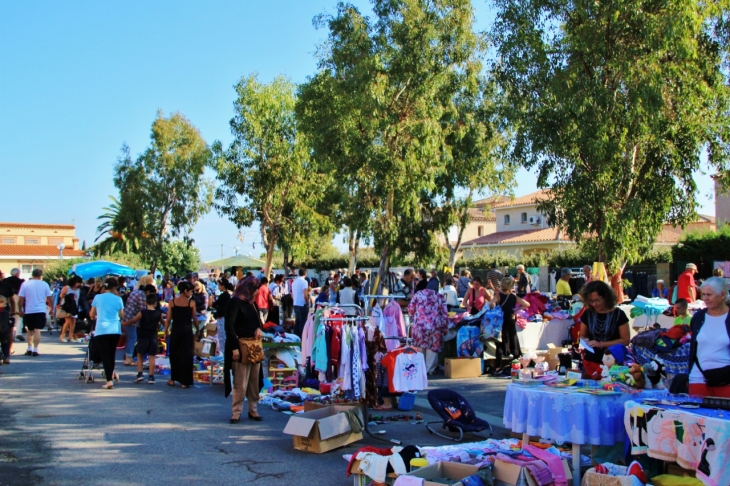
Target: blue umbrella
101, 268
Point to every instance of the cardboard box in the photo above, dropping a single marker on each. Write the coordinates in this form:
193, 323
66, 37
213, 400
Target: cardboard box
463, 367
322, 430
506, 474
552, 356
361, 479
309, 406
204, 349
450, 470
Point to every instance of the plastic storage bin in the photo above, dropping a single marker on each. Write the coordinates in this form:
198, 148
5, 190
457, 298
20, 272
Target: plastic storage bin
406, 401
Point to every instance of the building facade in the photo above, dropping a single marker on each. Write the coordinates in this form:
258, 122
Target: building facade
29, 245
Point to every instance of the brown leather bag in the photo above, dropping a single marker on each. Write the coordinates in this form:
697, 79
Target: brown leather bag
252, 350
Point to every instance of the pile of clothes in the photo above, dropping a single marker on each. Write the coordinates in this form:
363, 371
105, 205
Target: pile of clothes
663, 340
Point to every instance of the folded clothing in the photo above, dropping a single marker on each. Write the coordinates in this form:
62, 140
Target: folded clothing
671, 480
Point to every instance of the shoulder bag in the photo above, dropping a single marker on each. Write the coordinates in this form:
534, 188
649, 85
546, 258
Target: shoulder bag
251, 349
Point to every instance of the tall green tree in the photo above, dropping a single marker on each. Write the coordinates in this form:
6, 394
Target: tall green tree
179, 257
475, 160
614, 103
374, 109
163, 192
266, 174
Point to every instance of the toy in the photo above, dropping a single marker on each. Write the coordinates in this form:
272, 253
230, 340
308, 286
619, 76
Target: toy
605, 378
637, 374
654, 371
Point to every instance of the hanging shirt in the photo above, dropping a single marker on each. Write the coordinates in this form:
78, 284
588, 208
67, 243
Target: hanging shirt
345, 371
410, 372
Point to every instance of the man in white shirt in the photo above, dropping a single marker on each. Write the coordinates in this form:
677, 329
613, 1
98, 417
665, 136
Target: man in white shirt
35, 298
300, 296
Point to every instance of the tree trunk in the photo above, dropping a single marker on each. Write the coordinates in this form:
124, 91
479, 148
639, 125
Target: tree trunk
383, 269
270, 254
353, 246
286, 262
453, 258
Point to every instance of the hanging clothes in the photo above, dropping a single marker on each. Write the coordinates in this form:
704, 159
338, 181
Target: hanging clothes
410, 372
430, 319
375, 349
345, 371
395, 325
376, 318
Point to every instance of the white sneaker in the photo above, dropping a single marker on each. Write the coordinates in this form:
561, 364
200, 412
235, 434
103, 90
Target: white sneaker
64, 340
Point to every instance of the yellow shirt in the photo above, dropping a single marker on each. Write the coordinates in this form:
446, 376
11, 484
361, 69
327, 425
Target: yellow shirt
563, 288
679, 320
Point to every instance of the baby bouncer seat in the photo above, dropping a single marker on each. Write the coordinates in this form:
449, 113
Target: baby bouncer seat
456, 414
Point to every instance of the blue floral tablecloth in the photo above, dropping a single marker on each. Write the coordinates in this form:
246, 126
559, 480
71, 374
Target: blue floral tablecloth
677, 361
567, 416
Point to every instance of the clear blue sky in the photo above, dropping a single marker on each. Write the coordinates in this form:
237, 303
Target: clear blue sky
79, 78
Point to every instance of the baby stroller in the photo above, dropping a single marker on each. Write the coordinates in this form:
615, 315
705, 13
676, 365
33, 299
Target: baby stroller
93, 362
456, 414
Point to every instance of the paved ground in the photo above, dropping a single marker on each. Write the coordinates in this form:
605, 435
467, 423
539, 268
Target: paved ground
56, 430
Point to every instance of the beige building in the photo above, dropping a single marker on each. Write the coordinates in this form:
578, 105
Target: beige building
521, 229
28, 245
482, 220
722, 203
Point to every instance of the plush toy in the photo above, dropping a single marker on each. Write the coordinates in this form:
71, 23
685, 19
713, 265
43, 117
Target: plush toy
654, 371
637, 376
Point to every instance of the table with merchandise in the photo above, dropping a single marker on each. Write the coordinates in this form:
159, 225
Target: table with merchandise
586, 415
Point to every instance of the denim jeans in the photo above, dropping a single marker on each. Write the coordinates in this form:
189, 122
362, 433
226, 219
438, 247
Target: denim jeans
301, 312
131, 333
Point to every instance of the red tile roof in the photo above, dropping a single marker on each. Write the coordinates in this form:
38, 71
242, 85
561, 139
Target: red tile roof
37, 225
525, 236
37, 251
531, 198
476, 214
490, 201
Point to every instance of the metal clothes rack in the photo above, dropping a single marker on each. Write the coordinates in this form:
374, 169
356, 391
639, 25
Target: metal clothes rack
355, 320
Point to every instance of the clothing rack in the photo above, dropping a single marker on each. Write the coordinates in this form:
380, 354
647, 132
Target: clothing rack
369, 298
360, 318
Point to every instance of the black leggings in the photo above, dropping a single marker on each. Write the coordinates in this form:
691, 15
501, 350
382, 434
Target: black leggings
108, 350
510, 343
5, 340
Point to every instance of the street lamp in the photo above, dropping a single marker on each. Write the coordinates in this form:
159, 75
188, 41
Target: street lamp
60, 247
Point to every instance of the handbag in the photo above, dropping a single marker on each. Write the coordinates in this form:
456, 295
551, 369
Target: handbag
474, 311
61, 314
716, 376
69, 305
252, 350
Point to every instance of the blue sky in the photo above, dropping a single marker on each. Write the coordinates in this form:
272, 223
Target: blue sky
79, 78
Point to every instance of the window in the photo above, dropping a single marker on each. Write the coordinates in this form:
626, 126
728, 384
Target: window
32, 241
480, 231
8, 240
506, 219
524, 217
26, 268
55, 241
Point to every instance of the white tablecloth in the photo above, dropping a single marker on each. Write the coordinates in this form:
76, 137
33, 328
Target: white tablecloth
537, 335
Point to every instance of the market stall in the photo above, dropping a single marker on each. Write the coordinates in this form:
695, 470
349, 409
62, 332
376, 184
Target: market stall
681, 431
576, 415
537, 335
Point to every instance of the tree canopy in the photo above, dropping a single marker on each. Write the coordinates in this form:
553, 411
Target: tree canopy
374, 110
162, 193
613, 104
266, 174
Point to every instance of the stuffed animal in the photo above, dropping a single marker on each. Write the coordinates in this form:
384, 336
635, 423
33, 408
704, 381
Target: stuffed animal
637, 375
608, 361
654, 371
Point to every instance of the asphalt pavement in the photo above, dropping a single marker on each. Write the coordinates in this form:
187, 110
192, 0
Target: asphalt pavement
56, 430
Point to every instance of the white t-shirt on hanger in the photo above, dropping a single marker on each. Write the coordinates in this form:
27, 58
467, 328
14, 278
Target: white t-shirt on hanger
410, 372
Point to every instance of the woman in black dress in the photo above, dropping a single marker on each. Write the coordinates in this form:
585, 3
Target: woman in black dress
182, 314
508, 301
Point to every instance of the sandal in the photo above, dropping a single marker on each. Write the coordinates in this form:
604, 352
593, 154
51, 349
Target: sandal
235, 420
184, 386
170, 382
107, 387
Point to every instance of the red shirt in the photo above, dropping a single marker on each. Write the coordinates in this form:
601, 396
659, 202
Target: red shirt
684, 283
388, 363
262, 298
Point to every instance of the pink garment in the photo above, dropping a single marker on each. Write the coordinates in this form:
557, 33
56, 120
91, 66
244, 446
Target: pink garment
408, 481
539, 470
394, 324
554, 462
537, 303
430, 320
308, 337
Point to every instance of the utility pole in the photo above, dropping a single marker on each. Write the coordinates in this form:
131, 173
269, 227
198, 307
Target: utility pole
221, 250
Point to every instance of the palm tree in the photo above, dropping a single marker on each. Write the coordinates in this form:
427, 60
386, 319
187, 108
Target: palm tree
119, 230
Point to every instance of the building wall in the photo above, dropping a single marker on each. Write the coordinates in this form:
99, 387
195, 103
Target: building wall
471, 231
515, 216
518, 249
38, 236
722, 205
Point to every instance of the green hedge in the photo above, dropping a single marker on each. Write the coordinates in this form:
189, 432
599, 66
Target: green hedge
703, 246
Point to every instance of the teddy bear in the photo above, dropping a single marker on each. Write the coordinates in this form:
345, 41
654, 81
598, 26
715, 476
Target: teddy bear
654, 371
637, 376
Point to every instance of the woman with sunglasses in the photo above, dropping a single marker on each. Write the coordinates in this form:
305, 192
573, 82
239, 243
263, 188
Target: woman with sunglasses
602, 325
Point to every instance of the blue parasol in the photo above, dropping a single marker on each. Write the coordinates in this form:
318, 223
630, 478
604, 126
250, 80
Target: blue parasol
101, 268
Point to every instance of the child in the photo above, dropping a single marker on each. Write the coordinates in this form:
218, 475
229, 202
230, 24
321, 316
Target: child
149, 325
680, 310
